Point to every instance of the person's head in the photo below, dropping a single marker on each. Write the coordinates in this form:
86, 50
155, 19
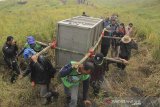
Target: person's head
98, 59
84, 13
107, 18
86, 68
30, 40
130, 24
113, 22
114, 15
10, 40
28, 53
122, 25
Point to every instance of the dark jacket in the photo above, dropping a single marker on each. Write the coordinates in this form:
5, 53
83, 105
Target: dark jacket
125, 49
41, 71
115, 42
99, 70
10, 51
106, 41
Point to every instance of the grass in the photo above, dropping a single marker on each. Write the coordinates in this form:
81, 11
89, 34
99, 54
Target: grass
39, 18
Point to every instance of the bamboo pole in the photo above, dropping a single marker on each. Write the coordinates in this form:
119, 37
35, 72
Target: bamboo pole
43, 51
41, 43
112, 37
93, 49
114, 60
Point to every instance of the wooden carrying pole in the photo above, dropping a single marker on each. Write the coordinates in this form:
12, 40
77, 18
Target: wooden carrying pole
92, 49
51, 45
109, 37
41, 43
43, 51
113, 59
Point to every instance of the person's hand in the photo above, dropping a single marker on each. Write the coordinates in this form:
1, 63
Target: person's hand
125, 61
33, 84
76, 65
17, 57
34, 58
20, 76
50, 44
87, 103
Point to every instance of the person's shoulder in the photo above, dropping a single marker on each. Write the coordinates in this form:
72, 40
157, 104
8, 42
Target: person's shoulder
26, 45
5, 46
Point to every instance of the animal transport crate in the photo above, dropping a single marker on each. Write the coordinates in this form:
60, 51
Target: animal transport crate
76, 34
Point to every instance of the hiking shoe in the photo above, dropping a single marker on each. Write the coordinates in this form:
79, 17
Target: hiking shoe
55, 95
45, 101
68, 99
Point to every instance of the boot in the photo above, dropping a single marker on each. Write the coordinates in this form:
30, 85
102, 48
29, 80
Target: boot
68, 99
55, 95
45, 101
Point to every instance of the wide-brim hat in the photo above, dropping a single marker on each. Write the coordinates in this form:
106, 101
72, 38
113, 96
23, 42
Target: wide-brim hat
126, 39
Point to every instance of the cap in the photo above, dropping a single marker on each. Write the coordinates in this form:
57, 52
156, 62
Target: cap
30, 40
98, 59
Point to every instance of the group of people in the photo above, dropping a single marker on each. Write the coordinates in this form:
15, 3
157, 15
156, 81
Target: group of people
90, 73
117, 37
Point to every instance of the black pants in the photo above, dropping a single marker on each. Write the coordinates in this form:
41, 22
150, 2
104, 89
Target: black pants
12, 64
105, 46
120, 65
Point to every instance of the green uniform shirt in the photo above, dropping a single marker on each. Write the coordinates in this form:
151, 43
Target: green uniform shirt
37, 47
74, 78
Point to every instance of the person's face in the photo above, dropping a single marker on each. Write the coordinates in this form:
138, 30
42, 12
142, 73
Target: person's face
121, 26
83, 71
10, 42
130, 25
113, 22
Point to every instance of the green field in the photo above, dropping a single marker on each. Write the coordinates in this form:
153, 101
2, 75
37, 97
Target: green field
39, 18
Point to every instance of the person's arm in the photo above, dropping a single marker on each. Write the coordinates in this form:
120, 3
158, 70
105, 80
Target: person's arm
118, 51
28, 70
66, 70
134, 45
21, 52
16, 47
51, 69
118, 48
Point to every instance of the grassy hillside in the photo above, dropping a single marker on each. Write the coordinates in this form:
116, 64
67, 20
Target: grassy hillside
39, 18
